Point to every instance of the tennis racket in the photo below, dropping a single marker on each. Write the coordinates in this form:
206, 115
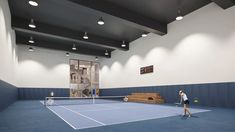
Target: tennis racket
177, 104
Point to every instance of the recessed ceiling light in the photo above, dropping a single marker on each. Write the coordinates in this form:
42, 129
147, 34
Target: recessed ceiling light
144, 35
100, 21
67, 54
31, 40
32, 24
33, 2
85, 35
179, 16
106, 53
31, 49
74, 47
123, 44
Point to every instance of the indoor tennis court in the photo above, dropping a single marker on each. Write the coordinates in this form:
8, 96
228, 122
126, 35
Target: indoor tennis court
117, 65
80, 115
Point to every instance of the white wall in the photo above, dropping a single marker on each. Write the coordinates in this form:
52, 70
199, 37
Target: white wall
45, 68
8, 50
198, 49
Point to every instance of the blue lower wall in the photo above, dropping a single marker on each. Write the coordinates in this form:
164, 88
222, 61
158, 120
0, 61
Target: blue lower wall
209, 94
8, 94
41, 93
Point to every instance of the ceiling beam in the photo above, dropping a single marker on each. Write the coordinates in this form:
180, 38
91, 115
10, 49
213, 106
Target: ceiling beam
224, 3
55, 32
126, 16
61, 46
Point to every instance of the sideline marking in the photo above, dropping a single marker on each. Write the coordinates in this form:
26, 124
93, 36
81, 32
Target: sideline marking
63, 119
83, 115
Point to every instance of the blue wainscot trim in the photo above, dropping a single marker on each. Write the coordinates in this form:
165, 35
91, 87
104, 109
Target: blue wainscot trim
41, 93
8, 94
207, 94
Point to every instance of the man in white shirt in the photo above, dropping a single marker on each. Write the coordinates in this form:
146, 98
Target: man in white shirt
183, 97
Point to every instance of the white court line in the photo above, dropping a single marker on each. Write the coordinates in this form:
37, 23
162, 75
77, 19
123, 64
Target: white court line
84, 115
63, 119
115, 107
151, 118
41, 102
137, 120
134, 120
122, 122
99, 109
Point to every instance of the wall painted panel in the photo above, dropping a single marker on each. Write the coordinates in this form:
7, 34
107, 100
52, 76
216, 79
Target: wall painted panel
198, 49
208, 94
8, 58
8, 49
45, 68
41, 93
8, 94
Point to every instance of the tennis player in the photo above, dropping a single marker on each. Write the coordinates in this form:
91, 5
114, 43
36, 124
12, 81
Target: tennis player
183, 97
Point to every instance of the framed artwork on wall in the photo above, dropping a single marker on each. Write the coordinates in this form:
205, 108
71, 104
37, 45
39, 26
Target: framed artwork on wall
84, 78
146, 69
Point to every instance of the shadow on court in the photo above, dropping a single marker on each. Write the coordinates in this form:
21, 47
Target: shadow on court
186, 117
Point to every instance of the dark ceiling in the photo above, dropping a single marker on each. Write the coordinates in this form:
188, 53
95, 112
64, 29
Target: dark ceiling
62, 23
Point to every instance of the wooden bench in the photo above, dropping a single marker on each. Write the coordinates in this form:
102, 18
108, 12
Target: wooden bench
153, 98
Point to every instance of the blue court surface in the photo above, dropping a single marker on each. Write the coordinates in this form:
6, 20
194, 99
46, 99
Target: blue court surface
96, 115
32, 116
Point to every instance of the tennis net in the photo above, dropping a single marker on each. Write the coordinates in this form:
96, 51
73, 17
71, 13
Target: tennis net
53, 101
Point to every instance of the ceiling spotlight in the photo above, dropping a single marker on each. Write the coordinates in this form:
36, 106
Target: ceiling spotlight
31, 40
144, 35
100, 21
123, 44
33, 2
67, 54
85, 35
96, 58
32, 24
106, 53
74, 47
179, 16
31, 49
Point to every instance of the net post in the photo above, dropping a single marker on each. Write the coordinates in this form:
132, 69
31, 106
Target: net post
45, 101
93, 100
